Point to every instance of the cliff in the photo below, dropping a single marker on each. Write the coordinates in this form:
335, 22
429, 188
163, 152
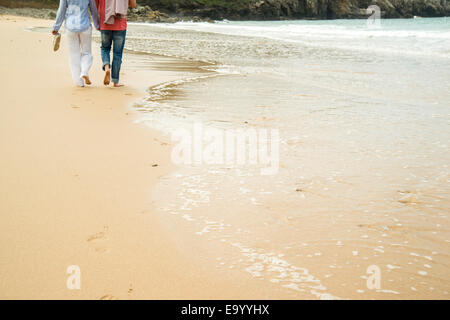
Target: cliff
298, 9
160, 10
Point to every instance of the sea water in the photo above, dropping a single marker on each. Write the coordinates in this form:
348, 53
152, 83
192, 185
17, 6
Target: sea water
363, 120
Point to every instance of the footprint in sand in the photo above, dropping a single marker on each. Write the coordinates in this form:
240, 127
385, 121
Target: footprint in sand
108, 297
161, 142
99, 235
98, 240
408, 197
130, 289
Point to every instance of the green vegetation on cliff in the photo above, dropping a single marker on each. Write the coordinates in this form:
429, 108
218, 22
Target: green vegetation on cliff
289, 9
278, 9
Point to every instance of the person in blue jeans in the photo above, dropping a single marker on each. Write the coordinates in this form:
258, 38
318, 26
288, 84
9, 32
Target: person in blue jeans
113, 34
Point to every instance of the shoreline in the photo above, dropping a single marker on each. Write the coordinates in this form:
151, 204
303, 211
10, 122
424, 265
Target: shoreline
282, 231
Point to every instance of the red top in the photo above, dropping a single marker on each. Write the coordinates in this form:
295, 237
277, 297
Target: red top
119, 24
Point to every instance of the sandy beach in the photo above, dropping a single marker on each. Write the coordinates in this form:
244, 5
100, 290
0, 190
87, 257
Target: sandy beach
87, 180
76, 174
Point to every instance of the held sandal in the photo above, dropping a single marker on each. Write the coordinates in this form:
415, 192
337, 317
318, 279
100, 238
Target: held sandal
56, 42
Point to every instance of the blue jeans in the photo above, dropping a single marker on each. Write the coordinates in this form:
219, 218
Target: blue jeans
116, 40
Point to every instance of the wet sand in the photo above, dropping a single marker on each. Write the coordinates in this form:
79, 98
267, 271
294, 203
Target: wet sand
362, 183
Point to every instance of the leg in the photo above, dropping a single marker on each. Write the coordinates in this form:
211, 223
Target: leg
118, 46
73, 41
86, 54
106, 53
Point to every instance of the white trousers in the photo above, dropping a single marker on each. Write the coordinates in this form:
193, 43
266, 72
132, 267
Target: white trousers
80, 54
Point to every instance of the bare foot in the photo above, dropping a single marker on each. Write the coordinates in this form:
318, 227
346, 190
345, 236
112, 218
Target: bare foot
118, 85
107, 78
87, 80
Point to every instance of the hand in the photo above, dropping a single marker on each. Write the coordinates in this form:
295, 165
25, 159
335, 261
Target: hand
54, 32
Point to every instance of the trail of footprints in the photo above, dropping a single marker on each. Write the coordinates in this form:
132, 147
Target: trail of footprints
99, 242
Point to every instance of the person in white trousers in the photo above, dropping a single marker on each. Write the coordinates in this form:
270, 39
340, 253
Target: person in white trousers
79, 35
